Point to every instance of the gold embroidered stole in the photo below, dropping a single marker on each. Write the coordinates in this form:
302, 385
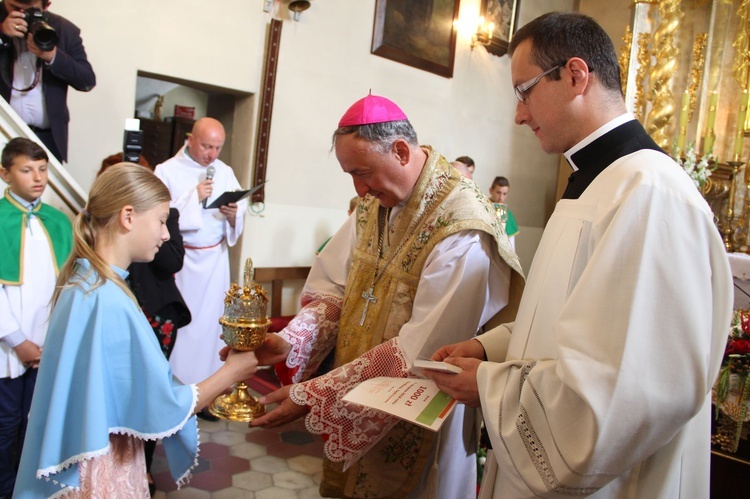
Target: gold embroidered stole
442, 203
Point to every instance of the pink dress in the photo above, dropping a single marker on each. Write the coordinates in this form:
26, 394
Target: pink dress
120, 473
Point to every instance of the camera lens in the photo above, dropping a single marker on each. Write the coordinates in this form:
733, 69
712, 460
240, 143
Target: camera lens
44, 35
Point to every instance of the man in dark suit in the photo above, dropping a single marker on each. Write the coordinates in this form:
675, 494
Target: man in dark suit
34, 81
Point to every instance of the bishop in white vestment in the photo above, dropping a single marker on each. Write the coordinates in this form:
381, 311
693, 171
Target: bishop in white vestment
422, 262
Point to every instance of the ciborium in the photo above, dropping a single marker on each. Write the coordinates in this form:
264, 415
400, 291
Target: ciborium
244, 325
501, 210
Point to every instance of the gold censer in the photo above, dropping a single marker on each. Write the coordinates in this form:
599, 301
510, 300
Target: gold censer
244, 325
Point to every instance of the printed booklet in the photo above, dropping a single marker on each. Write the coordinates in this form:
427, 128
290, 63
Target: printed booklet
417, 400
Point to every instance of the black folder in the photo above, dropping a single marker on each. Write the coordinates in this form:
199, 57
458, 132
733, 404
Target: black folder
233, 196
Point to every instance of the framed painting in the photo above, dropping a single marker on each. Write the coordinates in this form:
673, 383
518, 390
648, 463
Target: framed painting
504, 13
418, 33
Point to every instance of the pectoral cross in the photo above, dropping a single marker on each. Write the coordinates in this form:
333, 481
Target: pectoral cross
369, 298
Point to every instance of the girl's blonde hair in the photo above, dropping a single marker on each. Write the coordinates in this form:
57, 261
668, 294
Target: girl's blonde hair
121, 185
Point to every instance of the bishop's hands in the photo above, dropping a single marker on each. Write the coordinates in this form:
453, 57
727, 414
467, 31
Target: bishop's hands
273, 351
286, 412
462, 386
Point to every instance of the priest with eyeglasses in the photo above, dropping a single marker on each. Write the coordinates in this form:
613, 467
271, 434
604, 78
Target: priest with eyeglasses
602, 385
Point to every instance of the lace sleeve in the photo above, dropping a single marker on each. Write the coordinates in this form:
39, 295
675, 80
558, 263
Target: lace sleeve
350, 430
312, 333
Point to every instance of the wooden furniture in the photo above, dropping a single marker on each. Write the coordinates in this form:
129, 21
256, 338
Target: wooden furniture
730, 475
181, 128
162, 139
157, 141
276, 276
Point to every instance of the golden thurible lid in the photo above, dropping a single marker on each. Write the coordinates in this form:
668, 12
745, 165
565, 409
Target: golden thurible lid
245, 318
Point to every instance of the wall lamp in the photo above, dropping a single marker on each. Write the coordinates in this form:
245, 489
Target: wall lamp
298, 6
483, 34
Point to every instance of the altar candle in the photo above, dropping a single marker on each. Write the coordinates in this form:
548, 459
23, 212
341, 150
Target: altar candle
739, 138
712, 111
684, 111
709, 137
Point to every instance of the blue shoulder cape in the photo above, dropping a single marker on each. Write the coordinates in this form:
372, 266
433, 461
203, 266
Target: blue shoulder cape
102, 372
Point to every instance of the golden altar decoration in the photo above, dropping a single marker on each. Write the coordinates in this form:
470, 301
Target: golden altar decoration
686, 75
731, 395
244, 325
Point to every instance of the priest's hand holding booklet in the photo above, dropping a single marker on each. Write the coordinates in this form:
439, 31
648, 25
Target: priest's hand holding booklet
435, 365
467, 355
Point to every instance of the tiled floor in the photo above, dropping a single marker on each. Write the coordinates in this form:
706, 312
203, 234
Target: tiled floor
240, 462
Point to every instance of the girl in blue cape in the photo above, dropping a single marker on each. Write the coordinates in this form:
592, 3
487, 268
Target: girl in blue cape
103, 385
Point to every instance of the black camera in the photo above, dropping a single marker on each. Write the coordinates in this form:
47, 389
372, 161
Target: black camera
132, 146
41, 32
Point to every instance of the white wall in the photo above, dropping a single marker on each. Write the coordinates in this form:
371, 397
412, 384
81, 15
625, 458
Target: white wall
174, 37
324, 66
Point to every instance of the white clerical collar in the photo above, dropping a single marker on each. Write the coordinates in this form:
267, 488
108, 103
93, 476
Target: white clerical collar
610, 125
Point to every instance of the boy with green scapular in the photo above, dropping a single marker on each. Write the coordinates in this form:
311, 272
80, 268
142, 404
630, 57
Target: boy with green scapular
35, 241
498, 193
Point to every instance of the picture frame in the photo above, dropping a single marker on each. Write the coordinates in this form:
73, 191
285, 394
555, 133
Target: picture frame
504, 13
418, 33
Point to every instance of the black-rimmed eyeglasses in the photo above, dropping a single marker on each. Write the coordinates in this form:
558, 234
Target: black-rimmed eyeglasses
522, 89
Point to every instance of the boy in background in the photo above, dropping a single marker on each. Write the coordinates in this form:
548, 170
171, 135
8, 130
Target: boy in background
36, 240
498, 193
470, 165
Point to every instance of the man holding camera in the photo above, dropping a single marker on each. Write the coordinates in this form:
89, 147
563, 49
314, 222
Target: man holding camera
41, 54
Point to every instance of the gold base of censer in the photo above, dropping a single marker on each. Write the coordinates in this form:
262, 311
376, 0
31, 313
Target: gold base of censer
239, 405
244, 325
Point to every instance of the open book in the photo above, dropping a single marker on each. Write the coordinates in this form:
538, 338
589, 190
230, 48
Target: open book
416, 400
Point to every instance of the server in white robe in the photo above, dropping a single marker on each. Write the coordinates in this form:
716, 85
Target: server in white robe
36, 239
195, 177
601, 387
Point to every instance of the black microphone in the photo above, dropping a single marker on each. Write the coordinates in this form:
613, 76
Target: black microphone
209, 176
